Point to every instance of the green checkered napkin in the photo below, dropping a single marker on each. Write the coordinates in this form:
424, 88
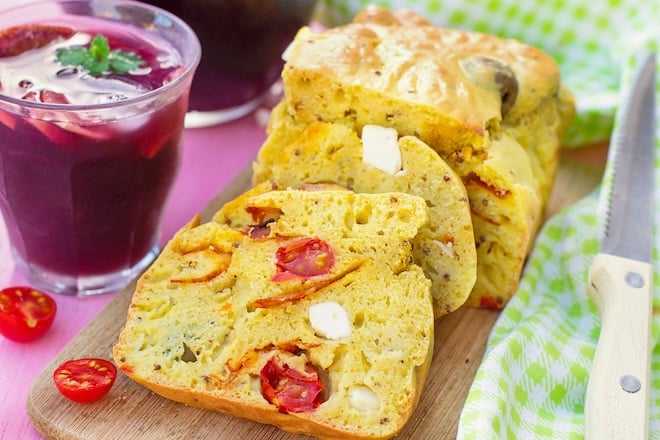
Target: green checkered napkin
532, 380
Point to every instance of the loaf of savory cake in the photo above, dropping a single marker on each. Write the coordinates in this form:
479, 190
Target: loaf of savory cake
494, 109
312, 317
374, 161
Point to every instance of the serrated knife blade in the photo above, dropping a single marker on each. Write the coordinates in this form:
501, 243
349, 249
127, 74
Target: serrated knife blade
621, 276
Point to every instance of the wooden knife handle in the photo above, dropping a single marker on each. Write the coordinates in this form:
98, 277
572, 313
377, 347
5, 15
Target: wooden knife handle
617, 400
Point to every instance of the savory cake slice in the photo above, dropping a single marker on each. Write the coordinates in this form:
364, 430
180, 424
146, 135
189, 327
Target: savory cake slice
312, 319
493, 108
375, 161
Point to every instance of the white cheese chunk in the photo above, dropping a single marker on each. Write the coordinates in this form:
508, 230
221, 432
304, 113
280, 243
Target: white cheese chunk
363, 399
380, 148
330, 320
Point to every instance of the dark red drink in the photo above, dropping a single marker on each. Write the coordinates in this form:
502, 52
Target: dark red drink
87, 162
242, 43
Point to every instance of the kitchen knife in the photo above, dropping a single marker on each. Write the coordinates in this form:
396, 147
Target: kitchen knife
621, 276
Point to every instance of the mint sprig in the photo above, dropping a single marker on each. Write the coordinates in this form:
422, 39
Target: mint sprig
98, 59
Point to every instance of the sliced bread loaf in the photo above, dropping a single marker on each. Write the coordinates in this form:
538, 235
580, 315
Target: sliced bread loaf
314, 319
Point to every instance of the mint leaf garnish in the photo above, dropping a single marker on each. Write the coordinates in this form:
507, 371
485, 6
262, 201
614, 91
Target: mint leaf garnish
98, 59
122, 62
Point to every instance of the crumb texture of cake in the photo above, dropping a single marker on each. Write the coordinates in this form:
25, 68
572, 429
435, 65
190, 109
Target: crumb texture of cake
301, 309
494, 109
326, 153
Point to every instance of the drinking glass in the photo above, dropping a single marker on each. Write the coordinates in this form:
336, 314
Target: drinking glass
83, 186
242, 44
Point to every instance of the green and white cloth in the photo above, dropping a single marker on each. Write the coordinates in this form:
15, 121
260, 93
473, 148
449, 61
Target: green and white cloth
533, 378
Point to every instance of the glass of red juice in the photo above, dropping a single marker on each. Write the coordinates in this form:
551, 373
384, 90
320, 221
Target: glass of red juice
89, 152
242, 45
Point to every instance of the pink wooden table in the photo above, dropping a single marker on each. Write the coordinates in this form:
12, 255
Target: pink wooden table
212, 157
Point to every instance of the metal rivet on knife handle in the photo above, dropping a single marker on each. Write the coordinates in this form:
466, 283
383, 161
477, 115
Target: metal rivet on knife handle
634, 279
630, 383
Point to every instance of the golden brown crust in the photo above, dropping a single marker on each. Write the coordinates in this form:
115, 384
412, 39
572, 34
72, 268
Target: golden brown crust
453, 72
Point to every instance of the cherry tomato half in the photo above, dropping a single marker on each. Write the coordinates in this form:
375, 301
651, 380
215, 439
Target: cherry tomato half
85, 380
305, 257
290, 390
25, 313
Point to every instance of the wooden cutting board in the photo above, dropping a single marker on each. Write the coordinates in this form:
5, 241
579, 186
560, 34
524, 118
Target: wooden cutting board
132, 412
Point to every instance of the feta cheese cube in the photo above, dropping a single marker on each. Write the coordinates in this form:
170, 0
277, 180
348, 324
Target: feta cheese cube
380, 148
330, 320
363, 399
